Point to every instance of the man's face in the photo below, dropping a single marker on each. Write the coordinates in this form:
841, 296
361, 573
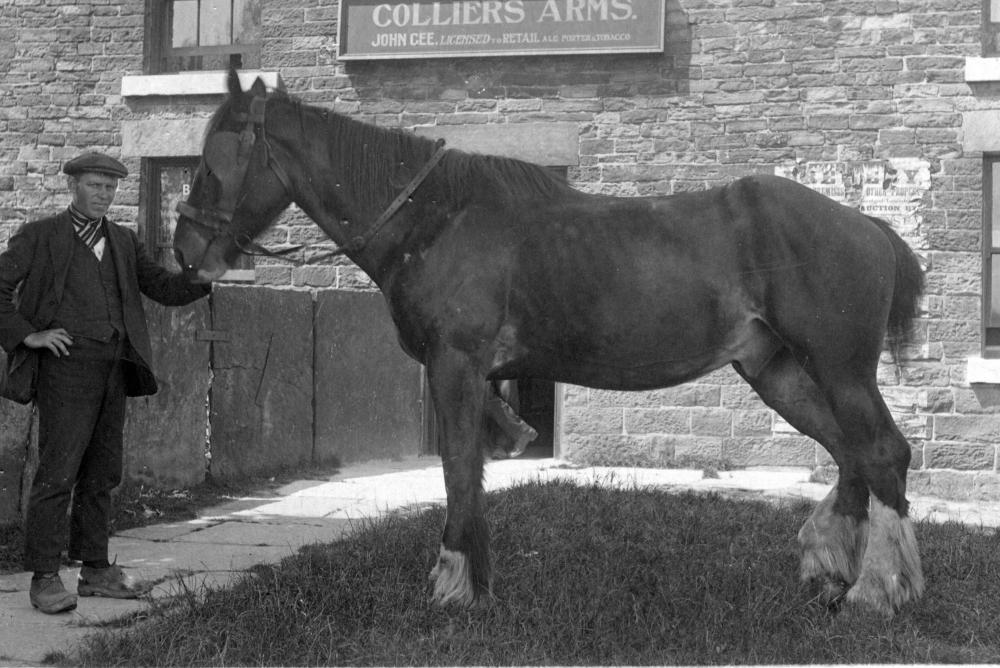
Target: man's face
93, 193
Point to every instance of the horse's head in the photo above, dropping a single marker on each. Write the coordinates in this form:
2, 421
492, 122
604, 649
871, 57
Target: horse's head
237, 191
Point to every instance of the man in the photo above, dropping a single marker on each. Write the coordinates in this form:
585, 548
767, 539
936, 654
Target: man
70, 307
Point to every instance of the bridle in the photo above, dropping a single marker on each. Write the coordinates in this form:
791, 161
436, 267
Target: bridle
222, 147
227, 156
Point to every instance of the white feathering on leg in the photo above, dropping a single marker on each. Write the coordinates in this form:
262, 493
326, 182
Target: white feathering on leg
832, 544
452, 579
890, 569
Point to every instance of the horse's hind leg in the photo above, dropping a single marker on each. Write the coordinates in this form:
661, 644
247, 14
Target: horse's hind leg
844, 411
462, 573
890, 574
833, 538
877, 455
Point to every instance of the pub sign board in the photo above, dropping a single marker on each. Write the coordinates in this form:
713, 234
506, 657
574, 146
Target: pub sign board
378, 30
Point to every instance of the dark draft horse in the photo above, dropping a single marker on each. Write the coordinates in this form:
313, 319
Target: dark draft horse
494, 268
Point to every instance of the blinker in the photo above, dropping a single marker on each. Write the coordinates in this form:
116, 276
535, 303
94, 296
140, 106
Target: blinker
227, 156
222, 150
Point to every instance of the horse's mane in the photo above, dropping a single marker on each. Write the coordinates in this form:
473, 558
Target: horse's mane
393, 156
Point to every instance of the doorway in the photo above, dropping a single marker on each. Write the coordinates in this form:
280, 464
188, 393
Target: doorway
537, 404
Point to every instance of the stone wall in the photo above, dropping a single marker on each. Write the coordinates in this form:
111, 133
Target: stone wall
744, 86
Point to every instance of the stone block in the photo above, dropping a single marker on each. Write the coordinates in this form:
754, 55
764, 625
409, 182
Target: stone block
914, 427
368, 392
689, 394
961, 456
977, 399
353, 278
592, 420
166, 433
314, 277
955, 485
873, 122
657, 420
980, 130
967, 428
15, 444
163, 137
548, 143
620, 450
777, 451
609, 398
711, 422
752, 422
698, 451
742, 397
273, 275
262, 388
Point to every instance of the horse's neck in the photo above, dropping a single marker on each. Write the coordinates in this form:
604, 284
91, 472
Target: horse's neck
348, 203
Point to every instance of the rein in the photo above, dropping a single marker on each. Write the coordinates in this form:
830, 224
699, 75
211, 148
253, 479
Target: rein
218, 220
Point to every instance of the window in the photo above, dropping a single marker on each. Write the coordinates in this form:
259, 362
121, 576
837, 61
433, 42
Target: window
186, 35
165, 182
991, 27
991, 256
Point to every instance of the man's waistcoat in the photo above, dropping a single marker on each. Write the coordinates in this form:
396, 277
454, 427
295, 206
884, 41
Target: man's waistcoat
92, 302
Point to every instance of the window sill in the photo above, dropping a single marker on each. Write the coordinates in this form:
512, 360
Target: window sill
980, 371
982, 70
238, 276
192, 83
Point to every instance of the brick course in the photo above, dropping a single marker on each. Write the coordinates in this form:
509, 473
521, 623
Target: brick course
743, 85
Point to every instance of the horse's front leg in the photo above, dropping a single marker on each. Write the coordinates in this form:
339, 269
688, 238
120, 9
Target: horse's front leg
463, 573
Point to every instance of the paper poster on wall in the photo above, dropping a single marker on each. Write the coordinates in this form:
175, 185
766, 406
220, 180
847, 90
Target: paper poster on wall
892, 189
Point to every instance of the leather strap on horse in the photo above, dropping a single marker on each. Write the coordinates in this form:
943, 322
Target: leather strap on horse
218, 219
404, 195
257, 106
251, 247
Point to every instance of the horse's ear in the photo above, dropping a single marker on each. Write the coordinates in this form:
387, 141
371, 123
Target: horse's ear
259, 88
233, 83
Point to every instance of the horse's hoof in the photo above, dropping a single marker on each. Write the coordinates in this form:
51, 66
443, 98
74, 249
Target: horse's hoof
830, 591
833, 592
877, 604
885, 595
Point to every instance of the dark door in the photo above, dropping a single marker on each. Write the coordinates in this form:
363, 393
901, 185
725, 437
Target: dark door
534, 400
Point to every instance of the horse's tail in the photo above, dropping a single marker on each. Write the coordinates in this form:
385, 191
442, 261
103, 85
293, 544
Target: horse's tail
909, 286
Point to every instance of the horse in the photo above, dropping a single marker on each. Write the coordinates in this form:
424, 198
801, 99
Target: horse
495, 268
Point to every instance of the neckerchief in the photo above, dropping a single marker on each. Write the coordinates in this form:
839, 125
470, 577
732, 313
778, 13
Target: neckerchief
90, 231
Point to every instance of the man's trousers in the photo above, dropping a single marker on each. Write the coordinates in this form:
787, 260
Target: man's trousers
81, 416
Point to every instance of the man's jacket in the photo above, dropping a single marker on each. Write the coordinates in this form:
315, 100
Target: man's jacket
33, 277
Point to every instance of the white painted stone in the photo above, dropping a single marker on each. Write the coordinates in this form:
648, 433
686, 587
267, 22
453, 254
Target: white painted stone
982, 371
982, 70
211, 82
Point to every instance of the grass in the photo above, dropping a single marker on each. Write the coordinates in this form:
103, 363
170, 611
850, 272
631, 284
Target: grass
584, 575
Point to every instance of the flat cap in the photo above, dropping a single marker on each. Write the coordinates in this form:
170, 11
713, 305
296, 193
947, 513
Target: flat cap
95, 162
